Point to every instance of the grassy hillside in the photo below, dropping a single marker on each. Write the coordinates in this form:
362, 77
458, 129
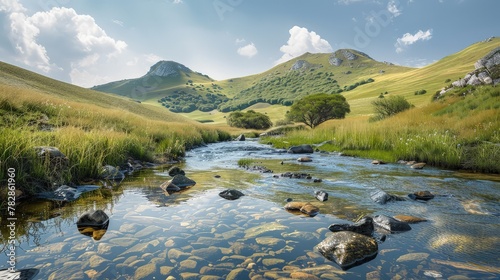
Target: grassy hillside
91, 128
431, 78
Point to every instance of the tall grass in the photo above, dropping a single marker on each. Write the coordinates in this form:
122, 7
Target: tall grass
89, 135
438, 134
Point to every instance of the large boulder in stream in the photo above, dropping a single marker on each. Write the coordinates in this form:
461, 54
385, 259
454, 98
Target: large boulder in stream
381, 197
231, 194
302, 149
363, 226
348, 248
67, 193
390, 224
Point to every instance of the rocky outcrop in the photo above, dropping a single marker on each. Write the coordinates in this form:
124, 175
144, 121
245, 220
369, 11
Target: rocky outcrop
304, 65
335, 60
348, 248
302, 149
167, 68
487, 72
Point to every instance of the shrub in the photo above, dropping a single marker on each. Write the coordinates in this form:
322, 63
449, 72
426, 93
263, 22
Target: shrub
386, 107
250, 119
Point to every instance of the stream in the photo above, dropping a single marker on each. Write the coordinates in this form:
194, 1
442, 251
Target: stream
196, 234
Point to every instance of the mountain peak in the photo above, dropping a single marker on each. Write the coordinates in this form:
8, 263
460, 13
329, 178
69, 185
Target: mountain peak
339, 56
165, 68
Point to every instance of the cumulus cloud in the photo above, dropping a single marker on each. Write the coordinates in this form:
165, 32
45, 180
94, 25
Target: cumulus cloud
58, 42
248, 50
409, 39
301, 41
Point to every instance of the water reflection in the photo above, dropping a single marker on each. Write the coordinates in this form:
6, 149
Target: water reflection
196, 232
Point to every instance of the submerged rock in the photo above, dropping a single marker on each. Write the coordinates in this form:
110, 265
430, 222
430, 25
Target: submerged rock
304, 159
363, 226
381, 197
421, 195
390, 224
419, 165
348, 248
409, 219
304, 207
231, 194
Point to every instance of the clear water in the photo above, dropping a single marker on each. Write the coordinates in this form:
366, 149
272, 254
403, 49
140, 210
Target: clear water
196, 233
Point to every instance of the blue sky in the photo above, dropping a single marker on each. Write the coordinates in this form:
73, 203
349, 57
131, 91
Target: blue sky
94, 42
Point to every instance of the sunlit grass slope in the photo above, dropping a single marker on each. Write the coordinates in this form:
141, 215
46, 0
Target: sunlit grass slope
91, 128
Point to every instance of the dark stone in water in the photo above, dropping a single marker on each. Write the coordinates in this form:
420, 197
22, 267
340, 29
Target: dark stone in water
231, 194
317, 180
175, 170
93, 219
21, 274
421, 195
217, 176
363, 226
295, 175
381, 197
288, 200
390, 224
181, 181
348, 249
93, 224
302, 149
321, 195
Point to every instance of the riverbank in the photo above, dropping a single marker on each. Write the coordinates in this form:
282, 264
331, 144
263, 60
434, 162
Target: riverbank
456, 132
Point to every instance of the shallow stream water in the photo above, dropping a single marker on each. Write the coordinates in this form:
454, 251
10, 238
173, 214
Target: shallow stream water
196, 234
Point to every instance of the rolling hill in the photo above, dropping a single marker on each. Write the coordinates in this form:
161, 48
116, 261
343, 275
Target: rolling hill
345, 71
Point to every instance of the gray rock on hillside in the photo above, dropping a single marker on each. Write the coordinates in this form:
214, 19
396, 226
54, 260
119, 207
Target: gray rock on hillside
487, 71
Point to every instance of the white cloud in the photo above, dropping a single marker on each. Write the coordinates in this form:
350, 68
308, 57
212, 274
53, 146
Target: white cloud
177, 1
11, 6
240, 41
59, 42
118, 22
392, 7
249, 50
409, 39
301, 41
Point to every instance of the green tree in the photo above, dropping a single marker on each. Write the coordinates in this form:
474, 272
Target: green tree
318, 108
386, 107
249, 119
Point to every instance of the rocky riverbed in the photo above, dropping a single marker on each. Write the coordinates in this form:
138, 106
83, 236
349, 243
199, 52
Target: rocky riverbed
198, 234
